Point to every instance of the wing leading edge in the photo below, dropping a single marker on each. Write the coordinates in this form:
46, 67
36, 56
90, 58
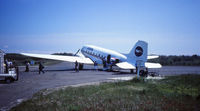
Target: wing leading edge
61, 58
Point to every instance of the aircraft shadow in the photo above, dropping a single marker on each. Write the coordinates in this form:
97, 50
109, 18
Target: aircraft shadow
114, 72
3, 82
122, 73
49, 70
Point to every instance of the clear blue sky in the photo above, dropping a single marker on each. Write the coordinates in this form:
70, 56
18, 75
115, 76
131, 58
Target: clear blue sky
171, 27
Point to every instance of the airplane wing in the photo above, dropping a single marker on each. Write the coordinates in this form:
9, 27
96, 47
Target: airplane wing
61, 58
125, 65
152, 57
152, 65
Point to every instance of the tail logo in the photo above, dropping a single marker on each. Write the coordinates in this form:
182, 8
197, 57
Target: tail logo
138, 51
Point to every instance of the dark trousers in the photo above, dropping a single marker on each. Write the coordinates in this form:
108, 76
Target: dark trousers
41, 70
76, 68
27, 69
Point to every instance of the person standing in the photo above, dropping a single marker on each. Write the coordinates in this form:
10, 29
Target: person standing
6, 63
95, 65
104, 64
41, 67
27, 67
76, 67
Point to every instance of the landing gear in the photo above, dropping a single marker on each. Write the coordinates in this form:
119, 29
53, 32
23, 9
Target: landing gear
142, 72
131, 71
9, 80
80, 67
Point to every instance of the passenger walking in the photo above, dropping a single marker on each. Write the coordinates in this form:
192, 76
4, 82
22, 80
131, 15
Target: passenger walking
76, 67
14, 64
95, 65
6, 63
104, 64
41, 67
27, 67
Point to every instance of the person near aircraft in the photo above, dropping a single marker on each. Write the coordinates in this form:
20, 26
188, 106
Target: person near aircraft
41, 67
104, 64
76, 67
14, 64
95, 66
27, 67
7, 66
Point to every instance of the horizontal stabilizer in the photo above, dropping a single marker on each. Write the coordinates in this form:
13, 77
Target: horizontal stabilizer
152, 57
125, 65
61, 58
153, 65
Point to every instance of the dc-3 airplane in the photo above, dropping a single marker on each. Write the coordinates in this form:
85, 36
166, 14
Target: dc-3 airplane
135, 59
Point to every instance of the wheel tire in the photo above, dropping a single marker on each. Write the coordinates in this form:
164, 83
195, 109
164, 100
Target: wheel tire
8, 80
131, 71
80, 67
141, 73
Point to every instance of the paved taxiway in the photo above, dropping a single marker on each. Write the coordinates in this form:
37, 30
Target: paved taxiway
58, 75
62, 74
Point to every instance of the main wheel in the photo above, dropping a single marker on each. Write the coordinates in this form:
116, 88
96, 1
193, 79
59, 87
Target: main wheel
141, 73
8, 80
131, 71
80, 66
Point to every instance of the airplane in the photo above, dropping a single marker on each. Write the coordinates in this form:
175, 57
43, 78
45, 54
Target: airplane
135, 59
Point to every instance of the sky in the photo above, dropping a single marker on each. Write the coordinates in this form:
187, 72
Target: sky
171, 27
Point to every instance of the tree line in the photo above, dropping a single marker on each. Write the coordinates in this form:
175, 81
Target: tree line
182, 60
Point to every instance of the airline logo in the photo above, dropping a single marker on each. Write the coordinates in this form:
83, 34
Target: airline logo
138, 51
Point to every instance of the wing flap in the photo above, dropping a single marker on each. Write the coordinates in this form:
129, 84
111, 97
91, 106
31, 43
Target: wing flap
61, 58
125, 65
152, 65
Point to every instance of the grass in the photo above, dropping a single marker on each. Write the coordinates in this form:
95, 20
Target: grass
172, 93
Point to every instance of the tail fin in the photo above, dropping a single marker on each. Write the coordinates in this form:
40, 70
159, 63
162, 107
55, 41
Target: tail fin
139, 52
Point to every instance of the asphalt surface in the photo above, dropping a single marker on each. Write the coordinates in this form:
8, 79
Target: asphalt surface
62, 74
58, 75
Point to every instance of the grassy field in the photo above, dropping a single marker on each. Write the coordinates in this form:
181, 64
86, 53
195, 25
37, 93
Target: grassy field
173, 93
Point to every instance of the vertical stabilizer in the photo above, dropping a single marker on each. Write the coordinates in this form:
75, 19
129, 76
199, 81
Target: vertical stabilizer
139, 52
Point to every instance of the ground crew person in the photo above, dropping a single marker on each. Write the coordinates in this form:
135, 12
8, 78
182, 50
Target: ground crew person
6, 62
104, 64
95, 65
41, 67
27, 67
76, 67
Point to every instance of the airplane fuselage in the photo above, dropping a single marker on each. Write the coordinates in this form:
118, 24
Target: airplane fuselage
137, 57
99, 54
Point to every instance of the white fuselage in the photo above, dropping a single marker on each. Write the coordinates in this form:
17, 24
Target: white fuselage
99, 54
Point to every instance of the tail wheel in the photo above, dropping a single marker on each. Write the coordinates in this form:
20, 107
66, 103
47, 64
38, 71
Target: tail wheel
143, 73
